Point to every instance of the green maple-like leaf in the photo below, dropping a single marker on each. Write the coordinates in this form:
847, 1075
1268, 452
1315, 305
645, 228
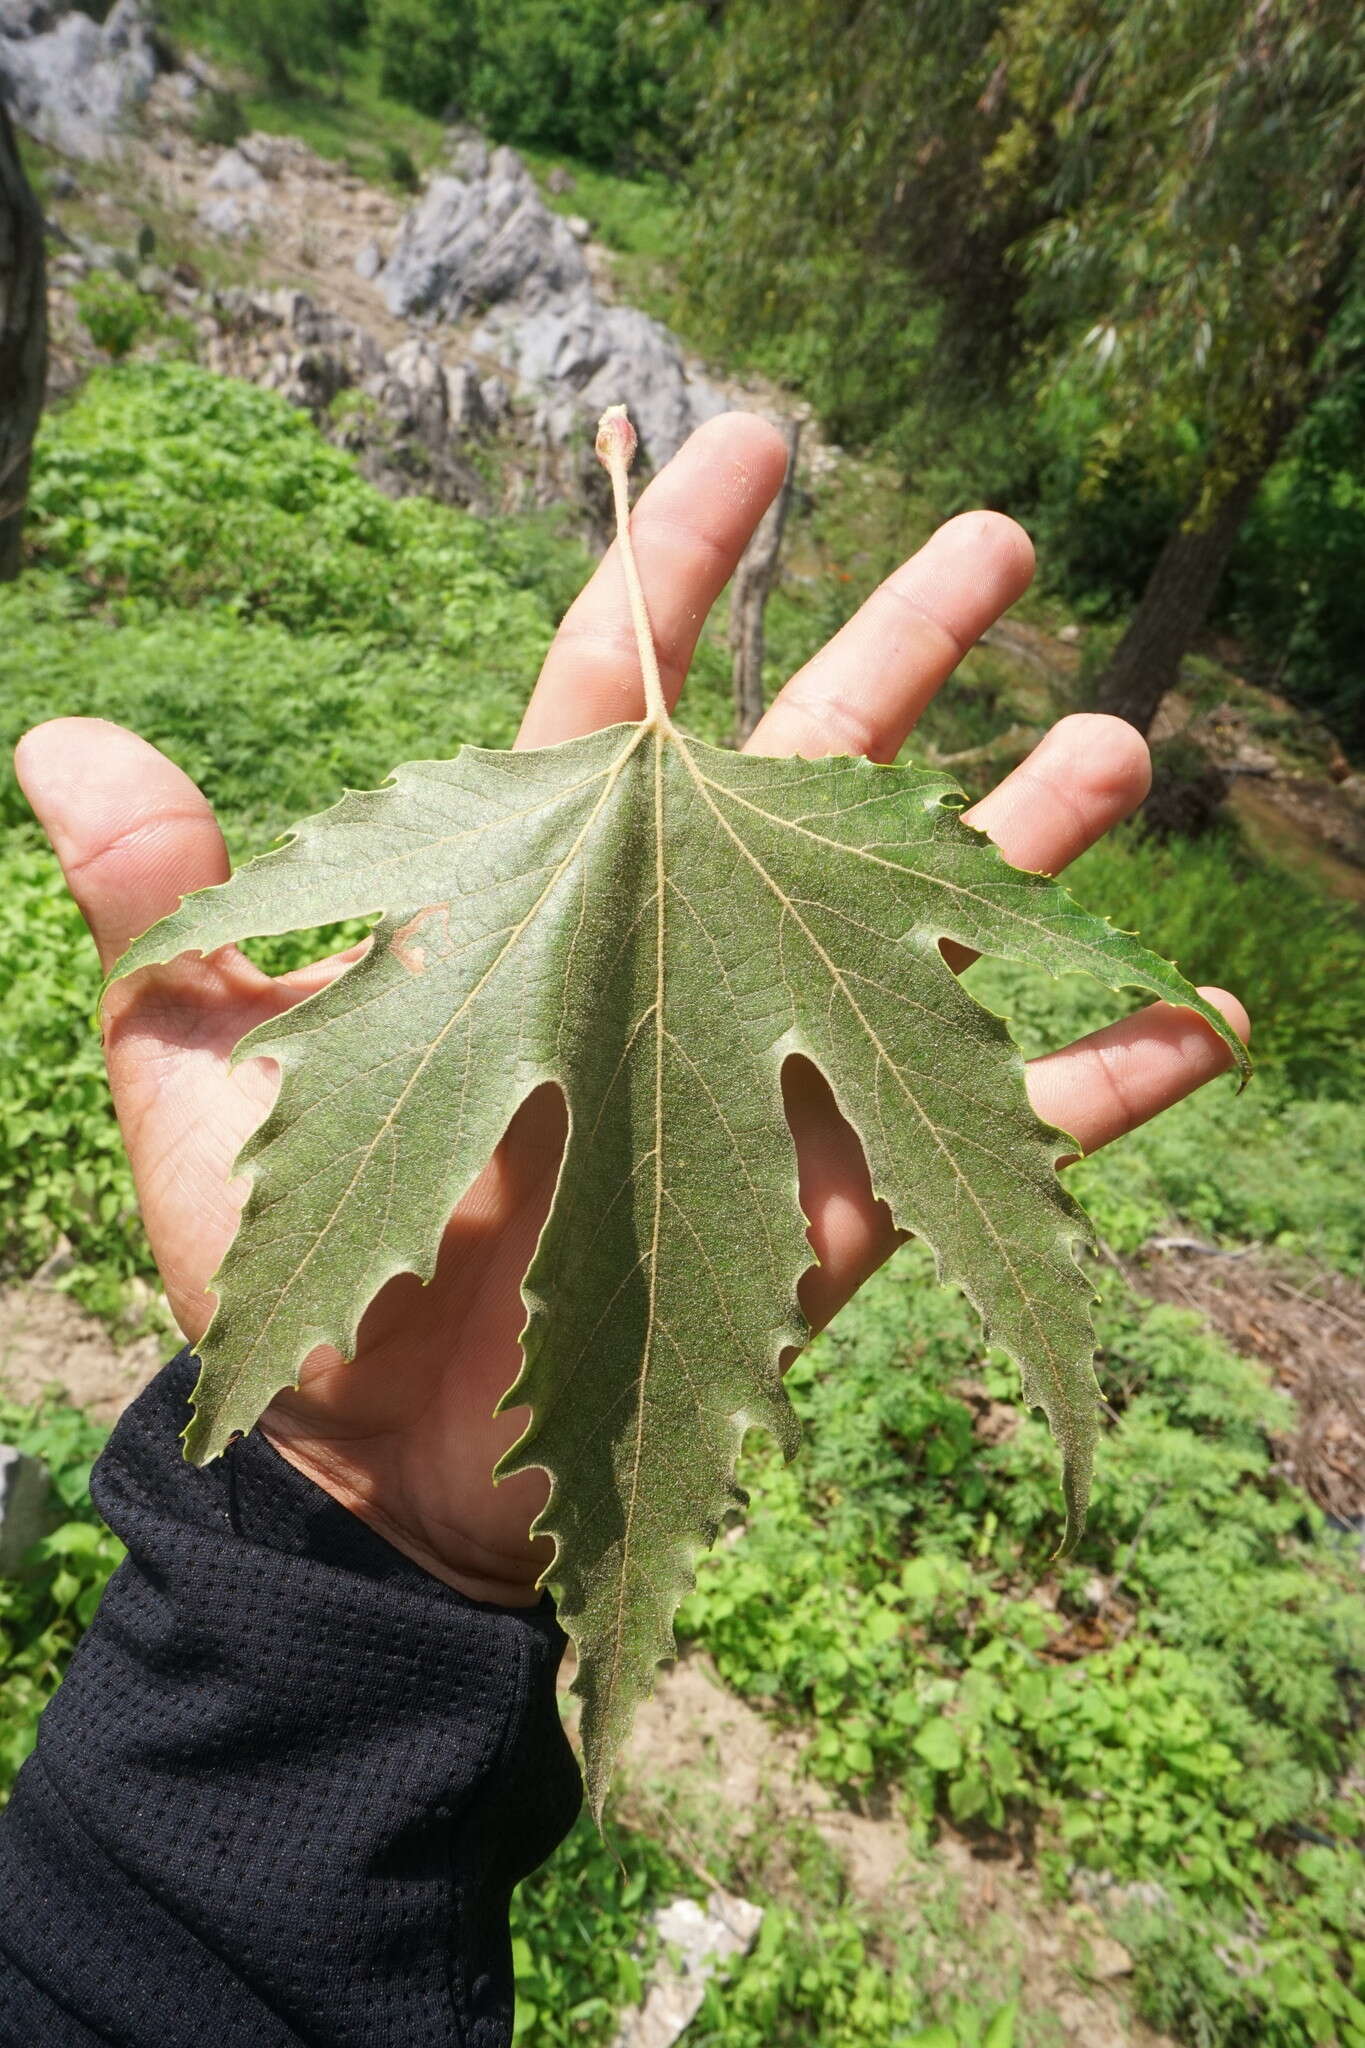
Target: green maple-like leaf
655, 925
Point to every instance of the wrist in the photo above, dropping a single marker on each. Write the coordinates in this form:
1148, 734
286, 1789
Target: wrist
457, 1560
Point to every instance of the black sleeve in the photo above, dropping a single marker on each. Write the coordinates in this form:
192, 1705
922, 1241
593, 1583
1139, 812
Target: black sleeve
288, 1784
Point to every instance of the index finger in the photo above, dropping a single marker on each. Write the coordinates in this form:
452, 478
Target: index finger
689, 528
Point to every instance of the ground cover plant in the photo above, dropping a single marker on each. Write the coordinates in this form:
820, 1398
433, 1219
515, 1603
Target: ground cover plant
1174, 1705
204, 569
43, 1613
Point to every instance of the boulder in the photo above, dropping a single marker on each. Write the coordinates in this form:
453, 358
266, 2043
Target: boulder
78, 84
241, 201
268, 154
486, 239
235, 172
581, 356
369, 262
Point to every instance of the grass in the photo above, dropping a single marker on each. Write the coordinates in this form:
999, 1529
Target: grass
123, 202
342, 114
351, 122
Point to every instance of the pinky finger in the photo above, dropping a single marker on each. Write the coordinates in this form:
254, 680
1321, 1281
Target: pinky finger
1120, 1077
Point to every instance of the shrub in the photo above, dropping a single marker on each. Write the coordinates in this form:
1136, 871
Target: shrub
425, 51
116, 314
400, 168
1174, 1706
219, 119
531, 71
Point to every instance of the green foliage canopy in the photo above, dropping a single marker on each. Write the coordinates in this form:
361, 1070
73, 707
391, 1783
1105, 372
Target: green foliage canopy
578, 79
1170, 196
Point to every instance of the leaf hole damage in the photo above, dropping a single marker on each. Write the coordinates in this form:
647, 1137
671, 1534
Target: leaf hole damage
849, 1229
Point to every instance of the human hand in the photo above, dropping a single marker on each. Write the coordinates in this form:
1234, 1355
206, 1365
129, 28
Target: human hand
406, 1437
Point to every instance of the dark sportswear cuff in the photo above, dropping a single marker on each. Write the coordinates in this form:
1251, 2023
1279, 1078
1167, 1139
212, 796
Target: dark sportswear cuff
290, 1779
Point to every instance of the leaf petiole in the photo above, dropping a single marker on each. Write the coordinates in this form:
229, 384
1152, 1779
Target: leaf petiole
616, 445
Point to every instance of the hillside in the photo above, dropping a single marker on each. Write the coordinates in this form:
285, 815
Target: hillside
311, 495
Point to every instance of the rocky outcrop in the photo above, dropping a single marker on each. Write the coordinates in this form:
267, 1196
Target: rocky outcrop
581, 356
482, 240
72, 82
413, 416
236, 201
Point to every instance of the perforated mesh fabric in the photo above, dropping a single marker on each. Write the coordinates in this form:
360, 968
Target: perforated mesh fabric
288, 1784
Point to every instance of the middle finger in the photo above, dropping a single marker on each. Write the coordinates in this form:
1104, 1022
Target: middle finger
865, 690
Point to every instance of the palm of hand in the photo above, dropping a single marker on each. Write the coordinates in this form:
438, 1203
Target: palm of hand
407, 1436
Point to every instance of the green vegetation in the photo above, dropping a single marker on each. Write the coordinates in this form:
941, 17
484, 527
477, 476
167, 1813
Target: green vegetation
1169, 1721
1101, 263
208, 569
592, 81
119, 317
43, 1613
1166, 1707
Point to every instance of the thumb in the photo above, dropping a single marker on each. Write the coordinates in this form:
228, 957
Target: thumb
132, 832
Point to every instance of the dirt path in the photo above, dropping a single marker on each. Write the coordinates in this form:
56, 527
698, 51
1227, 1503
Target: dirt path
48, 1339
704, 1769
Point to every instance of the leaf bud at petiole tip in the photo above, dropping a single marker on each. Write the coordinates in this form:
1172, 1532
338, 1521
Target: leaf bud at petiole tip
616, 437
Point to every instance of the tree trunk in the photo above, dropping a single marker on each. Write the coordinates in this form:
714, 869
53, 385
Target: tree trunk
1175, 604
749, 597
23, 341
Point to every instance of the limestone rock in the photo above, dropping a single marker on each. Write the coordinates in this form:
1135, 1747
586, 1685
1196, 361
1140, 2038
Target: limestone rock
369, 262
227, 218
469, 154
77, 84
496, 400
240, 205
702, 1938
267, 154
1106, 1960
22, 18
235, 172
481, 240
582, 356
412, 414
